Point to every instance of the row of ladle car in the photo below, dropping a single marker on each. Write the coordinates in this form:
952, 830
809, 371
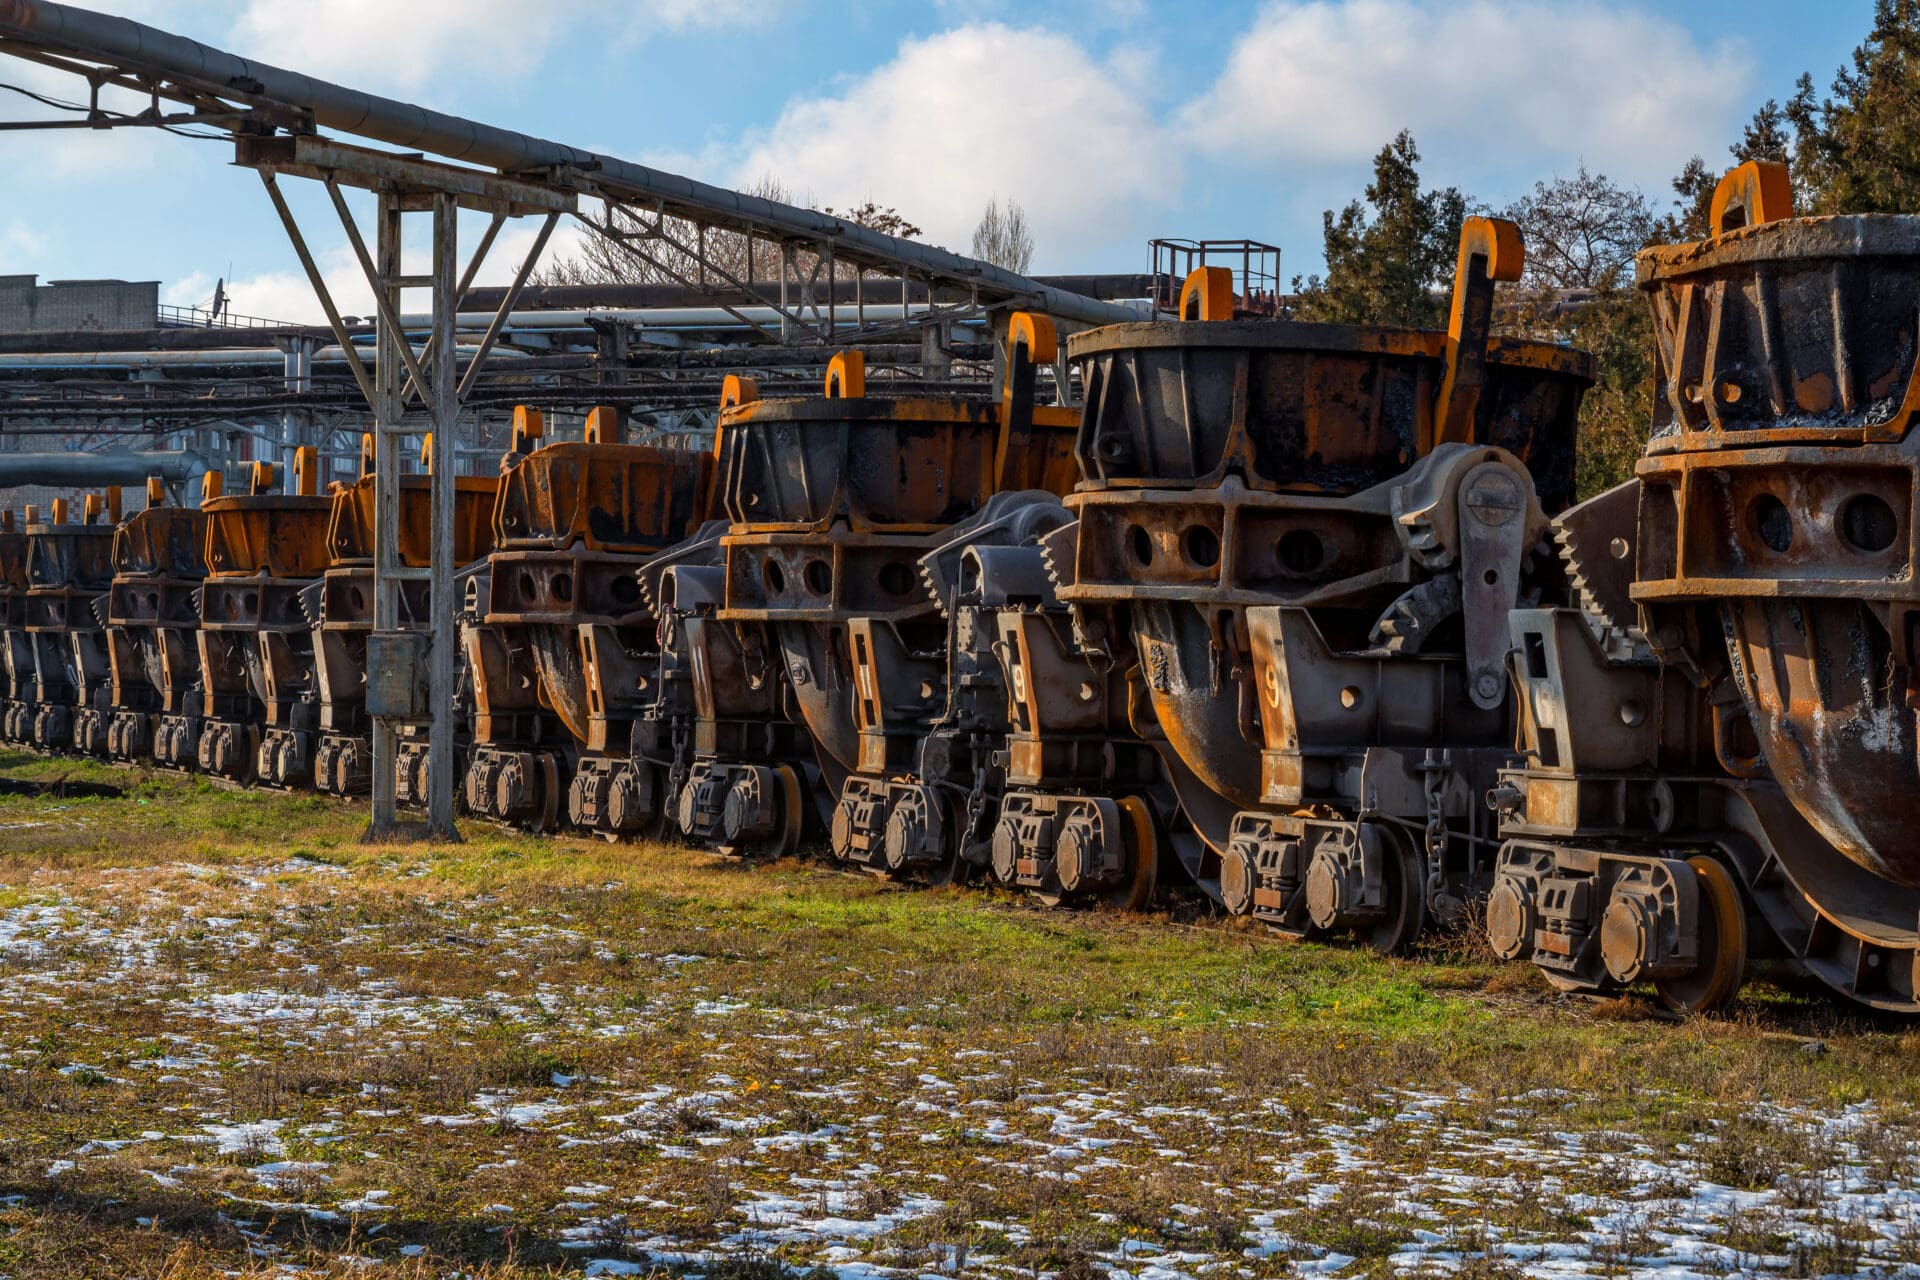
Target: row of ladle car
1301, 615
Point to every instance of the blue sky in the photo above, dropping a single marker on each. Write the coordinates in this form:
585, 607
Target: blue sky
1109, 121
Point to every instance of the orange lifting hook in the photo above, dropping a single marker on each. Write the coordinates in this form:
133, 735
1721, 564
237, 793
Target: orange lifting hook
603, 425
1490, 250
1210, 289
1034, 448
529, 424
1037, 334
737, 390
847, 376
1755, 192
306, 471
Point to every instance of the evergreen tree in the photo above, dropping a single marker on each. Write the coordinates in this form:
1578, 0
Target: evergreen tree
1765, 137
1385, 268
1693, 203
1859, 150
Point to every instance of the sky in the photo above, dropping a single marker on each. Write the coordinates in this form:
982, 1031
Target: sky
1109, 121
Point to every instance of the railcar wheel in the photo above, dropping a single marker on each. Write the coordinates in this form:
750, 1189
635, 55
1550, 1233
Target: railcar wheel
550, 792
1406, 898
1142, 838
793, 818
954, 870
1723, 945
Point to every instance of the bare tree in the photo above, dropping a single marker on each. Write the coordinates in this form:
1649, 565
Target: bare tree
641, 253
643, 249
1002, 237
1581, 234
1583, 231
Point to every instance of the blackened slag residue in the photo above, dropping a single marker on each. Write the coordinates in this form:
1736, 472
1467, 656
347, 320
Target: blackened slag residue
1533, 417
1279, 440
639, 526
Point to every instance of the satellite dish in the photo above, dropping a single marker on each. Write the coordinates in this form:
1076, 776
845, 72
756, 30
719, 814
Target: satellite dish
219, 298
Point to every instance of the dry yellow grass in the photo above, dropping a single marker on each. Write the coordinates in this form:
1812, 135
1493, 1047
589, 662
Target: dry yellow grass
233, 1038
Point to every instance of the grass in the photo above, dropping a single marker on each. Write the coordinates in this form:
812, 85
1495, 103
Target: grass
233, 1037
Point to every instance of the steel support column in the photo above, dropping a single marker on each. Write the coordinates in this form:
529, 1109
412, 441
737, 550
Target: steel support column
444, 412
391, 355
391, 428
296, 424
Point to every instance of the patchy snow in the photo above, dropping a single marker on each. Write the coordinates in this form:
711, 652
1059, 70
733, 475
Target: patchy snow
262, 1137
781, 1143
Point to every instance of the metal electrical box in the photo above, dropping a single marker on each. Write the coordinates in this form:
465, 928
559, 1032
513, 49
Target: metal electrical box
397, 676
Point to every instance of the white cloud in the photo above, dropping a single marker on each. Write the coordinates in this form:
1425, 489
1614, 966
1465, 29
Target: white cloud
21, 247
399, 47
402, 46
280, 295
1487, 86
76, 155
683, 15
977, 112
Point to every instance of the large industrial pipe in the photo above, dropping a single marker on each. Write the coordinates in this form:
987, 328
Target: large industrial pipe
679, 317
67, 469
415, 128
702, 318
213, 357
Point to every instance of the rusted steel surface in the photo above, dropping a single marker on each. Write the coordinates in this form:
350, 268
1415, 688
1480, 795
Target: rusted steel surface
563, 637
870, 465
1780, 488
708, 702
1294, 407
1304, 539
1719, 747
832, 503
16, 657
1031, 772
631, 499
840, 511
159, 562
1164, 576
1799, 330
69, 567
350, 525
951, 771
264, 548
1630, 756
929, 702
340, 609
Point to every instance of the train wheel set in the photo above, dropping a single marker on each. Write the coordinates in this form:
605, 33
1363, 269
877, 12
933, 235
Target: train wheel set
1302, 616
